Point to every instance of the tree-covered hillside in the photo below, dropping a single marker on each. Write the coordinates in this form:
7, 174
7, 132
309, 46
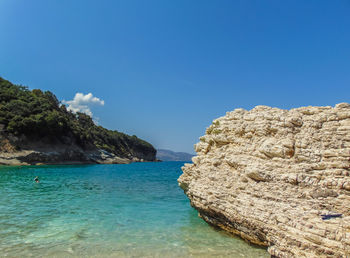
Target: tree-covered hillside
34, 115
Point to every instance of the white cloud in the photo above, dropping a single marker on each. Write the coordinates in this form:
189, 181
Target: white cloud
81, 103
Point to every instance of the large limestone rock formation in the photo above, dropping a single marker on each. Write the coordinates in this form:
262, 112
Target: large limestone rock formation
268, 175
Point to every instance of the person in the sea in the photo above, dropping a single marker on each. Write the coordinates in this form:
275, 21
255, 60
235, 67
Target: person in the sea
36, 179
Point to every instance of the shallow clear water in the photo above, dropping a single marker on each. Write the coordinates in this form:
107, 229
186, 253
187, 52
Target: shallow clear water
134, 210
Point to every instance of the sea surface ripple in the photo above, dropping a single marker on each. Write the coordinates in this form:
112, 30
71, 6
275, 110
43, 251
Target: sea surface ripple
134, 210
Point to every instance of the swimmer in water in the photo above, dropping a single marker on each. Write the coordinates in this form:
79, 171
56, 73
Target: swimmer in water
36, 179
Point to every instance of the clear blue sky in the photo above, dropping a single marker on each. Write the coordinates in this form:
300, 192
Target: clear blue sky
166, 69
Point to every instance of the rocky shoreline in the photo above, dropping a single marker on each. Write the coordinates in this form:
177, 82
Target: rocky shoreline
62, 155
268, 175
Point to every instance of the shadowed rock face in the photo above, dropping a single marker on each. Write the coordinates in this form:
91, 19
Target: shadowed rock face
268, 175
63, 155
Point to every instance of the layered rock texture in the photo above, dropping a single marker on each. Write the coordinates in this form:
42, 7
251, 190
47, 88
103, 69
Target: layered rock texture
268, 175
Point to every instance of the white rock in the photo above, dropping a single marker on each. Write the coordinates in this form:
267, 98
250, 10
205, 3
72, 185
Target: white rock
268, 174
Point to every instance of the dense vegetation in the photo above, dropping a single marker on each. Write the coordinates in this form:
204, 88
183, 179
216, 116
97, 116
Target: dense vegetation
36, 115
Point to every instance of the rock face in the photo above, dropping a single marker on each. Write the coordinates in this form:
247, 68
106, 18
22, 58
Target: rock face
38, 154
268, 175
72, 155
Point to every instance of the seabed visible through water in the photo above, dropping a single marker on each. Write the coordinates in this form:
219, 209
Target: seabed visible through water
134, 210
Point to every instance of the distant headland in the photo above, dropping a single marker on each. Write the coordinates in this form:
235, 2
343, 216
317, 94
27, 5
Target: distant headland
168, 155
35, 128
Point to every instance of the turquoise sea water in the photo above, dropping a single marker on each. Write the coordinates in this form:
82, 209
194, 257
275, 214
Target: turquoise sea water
134, 210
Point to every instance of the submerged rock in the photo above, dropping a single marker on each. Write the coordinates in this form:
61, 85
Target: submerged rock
268, 175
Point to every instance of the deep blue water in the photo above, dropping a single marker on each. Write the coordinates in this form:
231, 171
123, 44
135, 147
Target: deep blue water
134, 210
